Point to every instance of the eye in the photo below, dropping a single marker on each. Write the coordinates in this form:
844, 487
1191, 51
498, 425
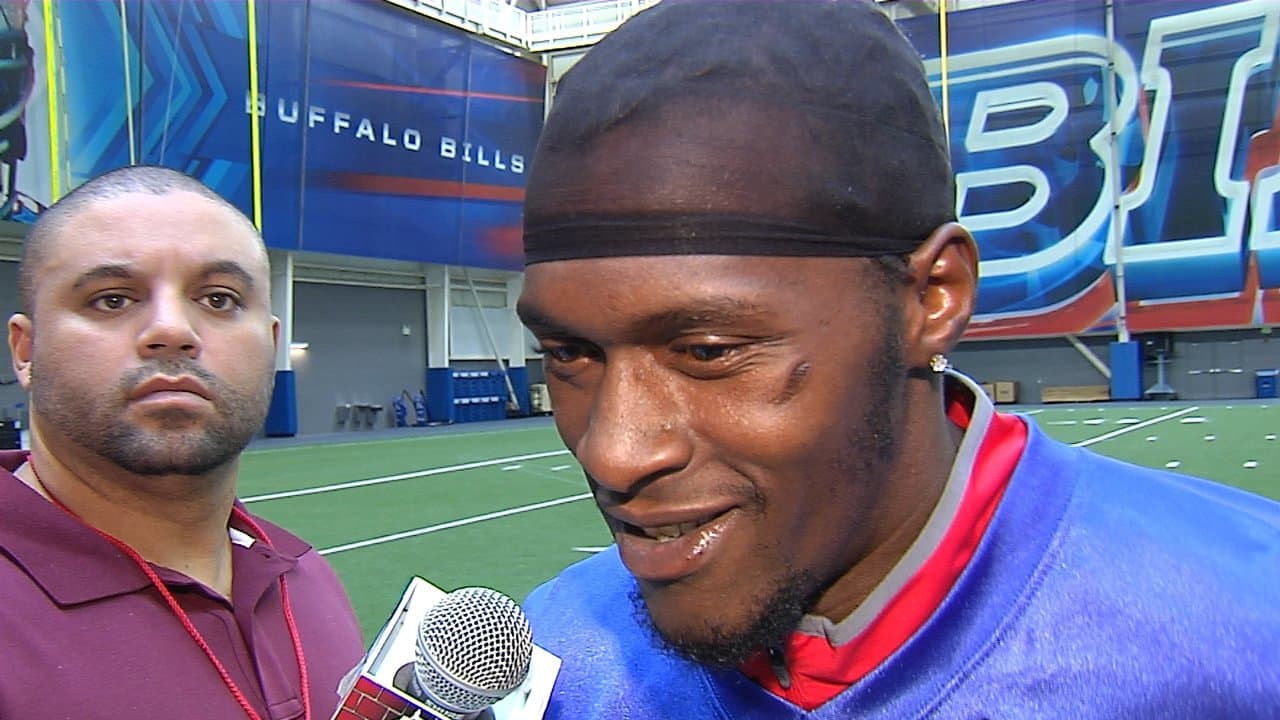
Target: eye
221, 301
561, 353
725, 357
708, 353
110, 302
568, 359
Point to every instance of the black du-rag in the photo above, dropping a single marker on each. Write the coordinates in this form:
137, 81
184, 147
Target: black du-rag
877, 178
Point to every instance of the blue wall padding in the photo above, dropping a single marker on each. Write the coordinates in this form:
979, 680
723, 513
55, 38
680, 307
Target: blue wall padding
282, 415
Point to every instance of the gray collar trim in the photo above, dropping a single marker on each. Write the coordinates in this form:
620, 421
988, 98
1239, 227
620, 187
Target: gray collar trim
839, 633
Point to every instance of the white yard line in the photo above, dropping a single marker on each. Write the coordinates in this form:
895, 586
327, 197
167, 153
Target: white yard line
1131, 428
453, 524
402, 476
547, 503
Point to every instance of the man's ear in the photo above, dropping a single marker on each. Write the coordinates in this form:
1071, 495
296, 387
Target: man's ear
20, 348
943, 275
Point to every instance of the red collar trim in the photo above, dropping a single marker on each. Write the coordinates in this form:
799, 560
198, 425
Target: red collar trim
818, 671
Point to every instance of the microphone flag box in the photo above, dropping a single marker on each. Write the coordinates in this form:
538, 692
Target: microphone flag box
383, 687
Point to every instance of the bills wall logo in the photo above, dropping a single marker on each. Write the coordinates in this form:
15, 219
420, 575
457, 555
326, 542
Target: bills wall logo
1171, 184
358, 127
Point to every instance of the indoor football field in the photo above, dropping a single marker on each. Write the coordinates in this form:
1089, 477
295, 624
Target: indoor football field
504, 505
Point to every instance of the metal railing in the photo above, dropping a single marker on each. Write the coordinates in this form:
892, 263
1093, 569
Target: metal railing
578, 25
558, 28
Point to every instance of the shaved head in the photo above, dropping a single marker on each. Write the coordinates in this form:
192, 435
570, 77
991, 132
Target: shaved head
144, 179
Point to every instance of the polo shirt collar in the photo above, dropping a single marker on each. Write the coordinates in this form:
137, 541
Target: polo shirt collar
73, 565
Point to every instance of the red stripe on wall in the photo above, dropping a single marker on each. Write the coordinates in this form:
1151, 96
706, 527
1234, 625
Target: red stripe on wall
418, 187
418, 90
1271, 306
1079, 315
1195, 314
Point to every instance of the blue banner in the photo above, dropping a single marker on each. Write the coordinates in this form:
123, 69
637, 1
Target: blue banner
1182, 206
383, 133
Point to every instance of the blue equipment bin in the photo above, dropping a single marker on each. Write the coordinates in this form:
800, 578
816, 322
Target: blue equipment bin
1264, 382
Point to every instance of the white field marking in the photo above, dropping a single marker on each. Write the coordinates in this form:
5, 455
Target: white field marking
509, 468
577, 481
402, 476
1210, 438
366, 443
1131, 428
1094, 421
1250, 464
1271, 436
1061, 422
1173, 464
453, 524
591, 549
1192, 420
1127, 421
1152, 438
535, 506
558, 468
1037, 411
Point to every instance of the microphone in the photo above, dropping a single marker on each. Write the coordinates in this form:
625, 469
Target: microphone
474, 647
464, 655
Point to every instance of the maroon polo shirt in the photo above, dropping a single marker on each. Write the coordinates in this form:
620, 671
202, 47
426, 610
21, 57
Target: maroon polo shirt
83, 634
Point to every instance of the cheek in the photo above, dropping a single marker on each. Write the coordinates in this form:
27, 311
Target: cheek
572, 409
781, 411
244, 353
78, 358
75, 380
801, 442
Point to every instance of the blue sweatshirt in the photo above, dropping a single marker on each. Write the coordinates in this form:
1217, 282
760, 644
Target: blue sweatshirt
1100, 590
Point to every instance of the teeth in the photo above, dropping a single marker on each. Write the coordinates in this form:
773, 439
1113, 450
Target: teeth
666, 533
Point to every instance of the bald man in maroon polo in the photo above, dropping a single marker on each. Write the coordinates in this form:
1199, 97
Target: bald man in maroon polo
133, 584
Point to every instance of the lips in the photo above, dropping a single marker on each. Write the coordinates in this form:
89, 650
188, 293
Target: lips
164, 386
664, 549
667, 533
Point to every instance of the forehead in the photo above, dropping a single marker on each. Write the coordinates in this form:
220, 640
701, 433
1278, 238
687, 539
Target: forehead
602, 295
175, 231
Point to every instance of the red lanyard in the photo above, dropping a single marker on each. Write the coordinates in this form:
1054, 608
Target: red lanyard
185, 619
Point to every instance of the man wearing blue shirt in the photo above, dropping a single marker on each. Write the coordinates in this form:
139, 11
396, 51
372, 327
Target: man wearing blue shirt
745, 274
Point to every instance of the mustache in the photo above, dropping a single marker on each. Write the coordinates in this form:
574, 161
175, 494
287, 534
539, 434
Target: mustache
170, 368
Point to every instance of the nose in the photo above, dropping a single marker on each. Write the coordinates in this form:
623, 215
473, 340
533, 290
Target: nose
637, 428
170, 330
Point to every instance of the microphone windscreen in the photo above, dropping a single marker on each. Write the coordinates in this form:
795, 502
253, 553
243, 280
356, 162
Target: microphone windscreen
474, 647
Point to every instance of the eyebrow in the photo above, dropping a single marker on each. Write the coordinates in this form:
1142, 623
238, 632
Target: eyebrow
125, 272
120, 272
229, 267
718, 310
